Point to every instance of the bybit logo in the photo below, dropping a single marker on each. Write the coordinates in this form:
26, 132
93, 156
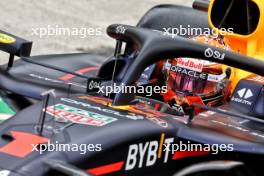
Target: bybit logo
148, 153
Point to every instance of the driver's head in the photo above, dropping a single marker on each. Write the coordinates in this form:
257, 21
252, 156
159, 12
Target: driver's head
197, 81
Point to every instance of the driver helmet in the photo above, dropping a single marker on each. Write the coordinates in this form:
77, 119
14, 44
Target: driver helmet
190, 80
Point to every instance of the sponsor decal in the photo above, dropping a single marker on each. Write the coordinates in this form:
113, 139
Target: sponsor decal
240, 128
4, 117
148, 153
80, 116
244, 94
5, 112
106, 110
188, 72
94, 84
55, 80
144, 110
191, 64
5, 173
210, 53
216, 78
120, 29
6, 39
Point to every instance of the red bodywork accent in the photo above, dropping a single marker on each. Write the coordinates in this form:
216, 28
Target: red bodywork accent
22, 145
156, 107
106, 169
114, 167
81, 71
185, 154
168, 95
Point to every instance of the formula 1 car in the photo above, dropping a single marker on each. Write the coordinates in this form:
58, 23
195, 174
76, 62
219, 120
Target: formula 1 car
124, 136
24, 80
81, 132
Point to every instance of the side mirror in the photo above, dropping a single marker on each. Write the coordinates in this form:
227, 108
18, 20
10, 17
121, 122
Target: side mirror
15, 46
202, 5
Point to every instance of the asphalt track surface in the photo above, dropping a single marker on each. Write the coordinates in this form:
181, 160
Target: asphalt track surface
25, 18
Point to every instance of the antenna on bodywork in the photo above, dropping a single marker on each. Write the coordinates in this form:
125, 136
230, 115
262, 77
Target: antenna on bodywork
45, 104
69, 90
118, 50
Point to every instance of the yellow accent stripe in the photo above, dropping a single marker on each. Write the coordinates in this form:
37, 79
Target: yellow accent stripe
162, 137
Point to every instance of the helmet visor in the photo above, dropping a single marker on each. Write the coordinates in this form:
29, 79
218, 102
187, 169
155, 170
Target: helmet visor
191, 82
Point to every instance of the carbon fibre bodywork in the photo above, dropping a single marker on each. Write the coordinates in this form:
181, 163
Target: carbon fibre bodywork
118, 137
